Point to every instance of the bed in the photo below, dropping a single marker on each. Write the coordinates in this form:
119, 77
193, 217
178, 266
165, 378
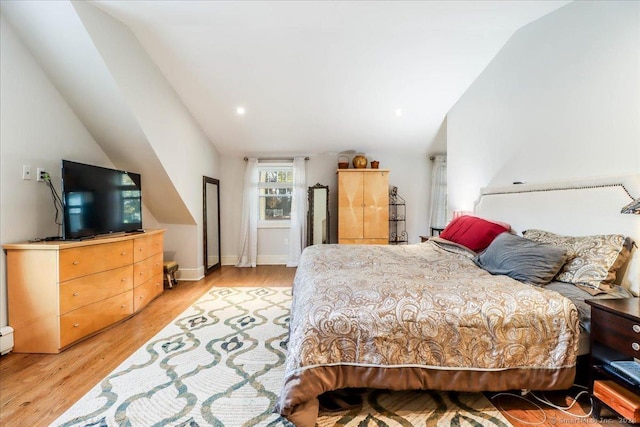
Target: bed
432, 316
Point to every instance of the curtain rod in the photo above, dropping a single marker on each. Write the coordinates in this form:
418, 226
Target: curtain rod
275, 158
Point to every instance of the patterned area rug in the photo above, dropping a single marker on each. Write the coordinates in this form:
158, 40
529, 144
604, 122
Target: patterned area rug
221, 363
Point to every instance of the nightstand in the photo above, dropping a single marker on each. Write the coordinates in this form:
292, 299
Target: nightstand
615, 335
435, 231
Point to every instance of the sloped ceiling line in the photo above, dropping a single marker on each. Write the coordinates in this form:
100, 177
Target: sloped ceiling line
323, 75
61, 43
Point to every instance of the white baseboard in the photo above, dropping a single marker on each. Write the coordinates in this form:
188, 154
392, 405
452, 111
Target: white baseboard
262, 260
190, 274
229, 260
271, 260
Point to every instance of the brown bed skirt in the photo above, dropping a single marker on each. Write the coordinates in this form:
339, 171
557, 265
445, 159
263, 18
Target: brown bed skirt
299, 399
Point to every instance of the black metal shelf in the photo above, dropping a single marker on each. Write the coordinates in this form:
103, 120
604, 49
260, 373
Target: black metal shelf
397, 218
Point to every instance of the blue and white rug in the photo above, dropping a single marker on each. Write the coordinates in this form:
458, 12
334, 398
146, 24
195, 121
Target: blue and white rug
221, 363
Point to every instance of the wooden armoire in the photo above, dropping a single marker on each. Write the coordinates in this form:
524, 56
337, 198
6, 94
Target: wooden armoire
363, 206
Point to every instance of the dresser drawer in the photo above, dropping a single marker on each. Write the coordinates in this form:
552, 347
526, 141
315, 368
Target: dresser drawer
93, 317
145, 270
85, 290
145, 247
80, 261
146, 292
617, 332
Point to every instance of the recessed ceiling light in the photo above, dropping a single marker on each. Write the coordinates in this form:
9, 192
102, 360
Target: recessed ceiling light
398, 112
240, 111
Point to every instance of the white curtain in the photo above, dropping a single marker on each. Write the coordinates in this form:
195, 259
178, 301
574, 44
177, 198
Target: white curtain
438, 217
297, 232
249, 224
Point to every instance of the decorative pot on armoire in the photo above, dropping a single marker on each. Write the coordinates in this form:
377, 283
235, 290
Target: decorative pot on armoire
363, 206
359, 161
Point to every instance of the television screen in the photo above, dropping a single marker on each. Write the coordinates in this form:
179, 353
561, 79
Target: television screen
99, 200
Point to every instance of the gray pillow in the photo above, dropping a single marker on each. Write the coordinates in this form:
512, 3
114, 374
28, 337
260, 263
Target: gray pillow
522, 259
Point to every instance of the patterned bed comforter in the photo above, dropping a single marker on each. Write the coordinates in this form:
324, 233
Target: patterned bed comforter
419, 317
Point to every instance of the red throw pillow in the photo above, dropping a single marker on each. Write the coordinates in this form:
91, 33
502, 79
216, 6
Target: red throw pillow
473, 232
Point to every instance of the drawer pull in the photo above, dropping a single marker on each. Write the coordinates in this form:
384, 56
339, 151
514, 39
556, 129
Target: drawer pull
75, 325
76, 262
75, 294
635, 346
636, 328
123, 280
123, 253
122, 306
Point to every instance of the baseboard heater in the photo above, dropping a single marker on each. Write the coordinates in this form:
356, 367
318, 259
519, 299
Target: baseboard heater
6, 340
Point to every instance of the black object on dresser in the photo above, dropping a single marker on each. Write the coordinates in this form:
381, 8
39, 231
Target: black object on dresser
615, 336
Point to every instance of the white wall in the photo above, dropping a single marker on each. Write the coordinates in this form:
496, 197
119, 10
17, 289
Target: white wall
409, 172
561, 100
37, 128
183, 149
271, 246
59, 41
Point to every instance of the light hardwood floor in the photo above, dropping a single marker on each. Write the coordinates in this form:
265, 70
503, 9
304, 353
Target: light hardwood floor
37, 388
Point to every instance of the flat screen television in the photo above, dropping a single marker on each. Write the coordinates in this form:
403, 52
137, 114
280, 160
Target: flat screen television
98, 200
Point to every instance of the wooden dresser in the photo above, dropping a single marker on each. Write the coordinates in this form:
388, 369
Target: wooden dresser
363, 206
62, 292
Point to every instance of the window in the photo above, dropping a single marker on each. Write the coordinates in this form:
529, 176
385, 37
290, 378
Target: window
130, 201
275, 186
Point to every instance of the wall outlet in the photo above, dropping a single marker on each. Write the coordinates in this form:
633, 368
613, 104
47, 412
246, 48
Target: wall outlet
40, 174
26, 172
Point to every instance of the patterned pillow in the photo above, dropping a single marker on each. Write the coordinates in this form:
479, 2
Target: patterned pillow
592, 260
452, 247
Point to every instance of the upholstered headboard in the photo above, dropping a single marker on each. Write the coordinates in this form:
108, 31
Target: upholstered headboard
572, 208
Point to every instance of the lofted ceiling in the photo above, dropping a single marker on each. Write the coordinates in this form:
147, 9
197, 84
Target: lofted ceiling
322, 76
